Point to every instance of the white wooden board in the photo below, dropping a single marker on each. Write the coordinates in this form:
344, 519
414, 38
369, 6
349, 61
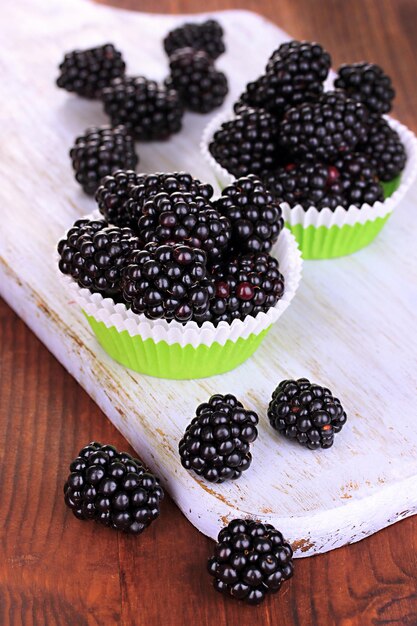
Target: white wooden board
351, 326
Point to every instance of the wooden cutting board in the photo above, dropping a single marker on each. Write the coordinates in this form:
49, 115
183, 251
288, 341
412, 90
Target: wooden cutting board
351, 326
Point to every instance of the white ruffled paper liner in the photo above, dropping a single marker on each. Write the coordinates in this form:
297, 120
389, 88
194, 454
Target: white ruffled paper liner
123, 319
328, 217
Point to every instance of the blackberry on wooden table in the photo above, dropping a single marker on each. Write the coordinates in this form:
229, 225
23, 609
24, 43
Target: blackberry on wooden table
247, 144
322, 130
183, 218
216, 444
245, 285
367, 83
200, 86
384, 149
150, 111
94, 254
99, 152
113, 193
167, 281
86, 72
306, 412
255, 216
112, 488
207, 36
250, 560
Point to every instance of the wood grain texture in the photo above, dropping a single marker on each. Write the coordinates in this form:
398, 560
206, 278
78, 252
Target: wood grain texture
47, 575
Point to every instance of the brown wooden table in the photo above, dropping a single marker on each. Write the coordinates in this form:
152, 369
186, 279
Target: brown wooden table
57, 570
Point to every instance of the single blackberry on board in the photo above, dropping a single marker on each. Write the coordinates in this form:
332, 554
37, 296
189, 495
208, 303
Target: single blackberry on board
245, 285
114, 192
149, 111
207, 36
255, 216
306, 412
99, 152
216, 443
324, 129
367, 83
183, 218
112, 488
167, 281
193, 75
94, 254
166, 182
86, 72
247, 144
384, 149
250, 560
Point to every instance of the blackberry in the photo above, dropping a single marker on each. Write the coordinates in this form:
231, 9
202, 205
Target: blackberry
367, 83
350, 180
324, 129
207, 36
94, 254
250, 560
200, 86
112, 488
99, 152
86, 72
306, 412
148, 110
114, 192
255, 216
172, 182
244, 286
216, 443
384, 149
167, 281
247, 144
183, 218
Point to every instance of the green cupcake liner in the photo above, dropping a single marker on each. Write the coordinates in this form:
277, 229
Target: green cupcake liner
336, 241
173, 361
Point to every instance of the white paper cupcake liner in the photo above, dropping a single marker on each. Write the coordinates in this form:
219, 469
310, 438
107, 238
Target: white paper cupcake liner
327, 217
105, 310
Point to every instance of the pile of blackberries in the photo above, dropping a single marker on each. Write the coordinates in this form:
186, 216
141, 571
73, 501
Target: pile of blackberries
167, 250
140, 109
300, 139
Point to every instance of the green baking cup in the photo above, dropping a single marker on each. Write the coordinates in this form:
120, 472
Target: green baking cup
336, 241
165, 360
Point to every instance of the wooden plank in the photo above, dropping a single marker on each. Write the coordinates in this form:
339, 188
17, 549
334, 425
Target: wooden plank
320, 501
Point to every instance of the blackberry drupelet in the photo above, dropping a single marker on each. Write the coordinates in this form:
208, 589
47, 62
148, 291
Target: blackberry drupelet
114, 192
207, 36
167, 281
171, 182
184, 218
384, 149
306, 412
324, 129
94, 254
193, 75
86, 72
250, 560
245, 285
148, 110
99, 152
367, 83
247, 144
216, 443
255, 216
112, 488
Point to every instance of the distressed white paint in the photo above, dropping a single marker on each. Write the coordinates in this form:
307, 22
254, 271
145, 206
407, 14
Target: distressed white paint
351, 326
